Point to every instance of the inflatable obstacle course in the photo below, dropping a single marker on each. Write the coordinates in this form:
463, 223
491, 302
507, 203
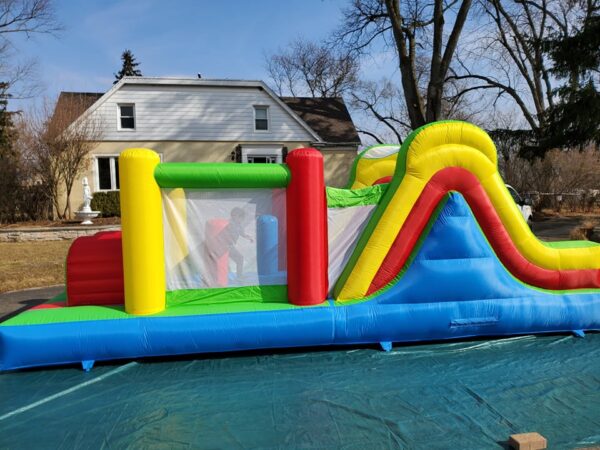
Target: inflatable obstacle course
425, 244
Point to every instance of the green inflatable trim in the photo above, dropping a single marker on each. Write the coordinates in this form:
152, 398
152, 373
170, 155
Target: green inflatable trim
62, 297
570, 244
345, 198
249, 299
221, 175
264, 294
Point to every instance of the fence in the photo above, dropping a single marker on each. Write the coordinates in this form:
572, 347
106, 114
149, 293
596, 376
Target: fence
582, 201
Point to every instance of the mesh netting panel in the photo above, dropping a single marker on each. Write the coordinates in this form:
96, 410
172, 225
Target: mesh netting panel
229, 237
345, 226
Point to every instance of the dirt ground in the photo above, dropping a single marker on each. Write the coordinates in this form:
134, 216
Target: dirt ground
32, 264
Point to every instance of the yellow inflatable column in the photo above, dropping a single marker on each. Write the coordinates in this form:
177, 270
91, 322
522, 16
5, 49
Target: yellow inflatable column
142, 227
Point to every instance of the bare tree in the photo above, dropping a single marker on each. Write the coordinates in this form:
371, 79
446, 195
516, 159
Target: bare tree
383, 101
311, 69
27, 16
507, 56
60, 145
306, 68
22, 17
416, 29
45, 163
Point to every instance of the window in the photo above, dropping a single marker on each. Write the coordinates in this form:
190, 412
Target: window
272, 159
272, 154
261, 118
107, 173
127, 117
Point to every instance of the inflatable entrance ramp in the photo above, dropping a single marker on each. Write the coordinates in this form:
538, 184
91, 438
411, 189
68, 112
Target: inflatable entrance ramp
425, 244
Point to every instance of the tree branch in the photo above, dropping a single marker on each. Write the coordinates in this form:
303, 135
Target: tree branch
368, 133
508, 89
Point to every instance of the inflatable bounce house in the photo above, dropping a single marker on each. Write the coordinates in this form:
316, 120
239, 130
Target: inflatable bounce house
426, 243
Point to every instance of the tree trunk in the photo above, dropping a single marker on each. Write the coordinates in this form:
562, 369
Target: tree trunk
414, 102
436, 82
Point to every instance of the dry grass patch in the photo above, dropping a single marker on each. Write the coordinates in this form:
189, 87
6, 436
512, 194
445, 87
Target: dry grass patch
32, 264
585, 231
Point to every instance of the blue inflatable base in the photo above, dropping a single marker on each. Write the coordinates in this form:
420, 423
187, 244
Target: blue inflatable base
75, 342
455, 287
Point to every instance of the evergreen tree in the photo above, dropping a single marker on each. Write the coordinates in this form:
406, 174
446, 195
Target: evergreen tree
129, 68
9, 161
575, 119
6, 124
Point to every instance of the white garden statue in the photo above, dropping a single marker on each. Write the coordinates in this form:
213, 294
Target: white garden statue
87, 196
86, 214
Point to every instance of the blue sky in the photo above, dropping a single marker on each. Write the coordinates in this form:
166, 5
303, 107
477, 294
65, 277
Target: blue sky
220, 39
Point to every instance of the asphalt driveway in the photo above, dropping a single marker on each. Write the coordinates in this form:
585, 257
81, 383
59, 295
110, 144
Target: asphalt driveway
12, 303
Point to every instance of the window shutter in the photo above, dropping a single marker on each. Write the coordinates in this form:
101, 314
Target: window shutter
284, 152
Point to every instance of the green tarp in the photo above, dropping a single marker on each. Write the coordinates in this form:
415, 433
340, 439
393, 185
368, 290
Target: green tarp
467, 395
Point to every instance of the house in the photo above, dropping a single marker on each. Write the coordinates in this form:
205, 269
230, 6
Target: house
210, 121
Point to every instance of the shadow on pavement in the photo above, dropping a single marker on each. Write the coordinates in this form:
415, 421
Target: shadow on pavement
13, 303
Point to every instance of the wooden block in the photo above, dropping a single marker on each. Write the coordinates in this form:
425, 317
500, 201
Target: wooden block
528, 441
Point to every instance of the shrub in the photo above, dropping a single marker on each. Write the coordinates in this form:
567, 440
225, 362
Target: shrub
107, 203
584, 232
566, 180
33, 202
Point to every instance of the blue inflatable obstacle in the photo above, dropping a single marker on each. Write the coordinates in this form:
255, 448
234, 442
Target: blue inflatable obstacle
267, 249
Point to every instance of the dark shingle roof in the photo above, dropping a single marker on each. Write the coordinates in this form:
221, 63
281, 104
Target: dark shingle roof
83, 99
329, 117
71, 105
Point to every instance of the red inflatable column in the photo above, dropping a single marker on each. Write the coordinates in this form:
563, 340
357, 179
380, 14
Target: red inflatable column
306, 215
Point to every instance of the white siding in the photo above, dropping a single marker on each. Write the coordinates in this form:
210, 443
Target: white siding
196, 113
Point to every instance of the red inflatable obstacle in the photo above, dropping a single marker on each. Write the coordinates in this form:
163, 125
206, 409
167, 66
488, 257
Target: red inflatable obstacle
306, 211
95, 270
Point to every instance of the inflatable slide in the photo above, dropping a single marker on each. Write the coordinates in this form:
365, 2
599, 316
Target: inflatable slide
426, 243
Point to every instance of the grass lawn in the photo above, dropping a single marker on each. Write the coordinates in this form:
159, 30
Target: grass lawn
32, 264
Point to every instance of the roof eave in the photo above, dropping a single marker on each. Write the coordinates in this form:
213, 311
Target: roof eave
336, 144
